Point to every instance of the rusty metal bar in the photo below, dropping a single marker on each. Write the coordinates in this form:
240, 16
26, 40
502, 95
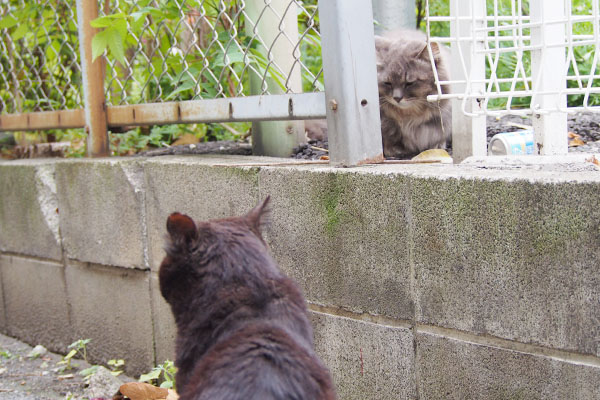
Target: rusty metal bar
66, 119
92, 82
253, 108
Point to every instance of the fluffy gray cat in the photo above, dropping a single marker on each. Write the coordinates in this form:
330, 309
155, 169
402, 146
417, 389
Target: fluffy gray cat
409, 123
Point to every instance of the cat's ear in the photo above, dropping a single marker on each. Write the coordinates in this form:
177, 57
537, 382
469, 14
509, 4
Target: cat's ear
260, 215
182, 230
435, 50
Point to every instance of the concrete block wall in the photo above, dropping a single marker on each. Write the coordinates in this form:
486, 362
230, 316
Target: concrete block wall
429, 282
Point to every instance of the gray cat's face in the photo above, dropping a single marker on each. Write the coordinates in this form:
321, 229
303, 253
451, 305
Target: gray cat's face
404, 73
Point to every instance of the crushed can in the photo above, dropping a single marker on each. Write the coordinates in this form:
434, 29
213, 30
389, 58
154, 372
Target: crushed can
512, 143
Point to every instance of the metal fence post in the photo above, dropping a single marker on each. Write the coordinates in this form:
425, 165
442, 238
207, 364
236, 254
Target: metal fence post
394, 14
275, 138
92, 82
468, 133
548, 76
350, 75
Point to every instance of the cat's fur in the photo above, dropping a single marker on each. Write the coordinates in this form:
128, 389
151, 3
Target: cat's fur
409, 123
242, 325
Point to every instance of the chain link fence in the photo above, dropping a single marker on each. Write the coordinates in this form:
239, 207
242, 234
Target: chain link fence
39, 56
125, 63
159, 51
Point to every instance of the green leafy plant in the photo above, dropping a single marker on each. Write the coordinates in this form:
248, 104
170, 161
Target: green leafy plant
6, 354
116, 366
77, 347
164, 373
87, 373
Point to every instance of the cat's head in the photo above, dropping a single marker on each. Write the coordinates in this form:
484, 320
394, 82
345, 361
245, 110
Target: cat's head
193, 248
404, 72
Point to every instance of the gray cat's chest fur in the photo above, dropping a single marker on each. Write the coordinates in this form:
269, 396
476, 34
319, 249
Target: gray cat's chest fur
409, 123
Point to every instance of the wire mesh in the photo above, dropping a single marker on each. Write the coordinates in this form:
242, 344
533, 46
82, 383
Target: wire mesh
504, 38
39, 56
197, 49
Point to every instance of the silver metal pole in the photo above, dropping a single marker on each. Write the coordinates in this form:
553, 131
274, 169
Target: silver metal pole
274, 25
394, 14
350, 75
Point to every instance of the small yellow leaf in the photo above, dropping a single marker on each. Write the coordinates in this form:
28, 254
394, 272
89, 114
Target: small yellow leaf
143, 391
434, 155
576, 142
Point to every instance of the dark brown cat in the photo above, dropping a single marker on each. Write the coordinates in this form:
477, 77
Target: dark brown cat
242, 325
409, 123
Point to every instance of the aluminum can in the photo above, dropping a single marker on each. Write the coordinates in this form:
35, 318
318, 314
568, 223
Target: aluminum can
512, 143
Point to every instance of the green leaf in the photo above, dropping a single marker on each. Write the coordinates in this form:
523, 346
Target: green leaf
52, 50
154, 374
167, 385
20, 32
70, 355
234, 55
99, 44
89, 371
115, 44
187, 84
108, 20
8, 22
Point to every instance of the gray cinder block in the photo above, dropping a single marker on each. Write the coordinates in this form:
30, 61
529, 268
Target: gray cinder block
111, 306
165, 329
453, 369
29, 217
366, 360
36, 302
102, 211
190, 186
343, 236
513, 259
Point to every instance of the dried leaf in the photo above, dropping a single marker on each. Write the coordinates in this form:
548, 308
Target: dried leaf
434, 155
172, 395
594, 161
576, 142
143, 391
573, 135
324, 158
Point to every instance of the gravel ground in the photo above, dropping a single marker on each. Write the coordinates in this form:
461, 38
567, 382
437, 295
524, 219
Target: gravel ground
39, 378
586, 125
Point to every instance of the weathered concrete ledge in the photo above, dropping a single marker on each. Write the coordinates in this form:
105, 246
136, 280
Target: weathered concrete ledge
424, 281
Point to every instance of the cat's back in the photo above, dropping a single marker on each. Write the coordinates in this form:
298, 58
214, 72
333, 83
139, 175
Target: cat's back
262, 362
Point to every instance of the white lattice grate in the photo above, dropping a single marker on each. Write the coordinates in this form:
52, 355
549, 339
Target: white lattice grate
512, 60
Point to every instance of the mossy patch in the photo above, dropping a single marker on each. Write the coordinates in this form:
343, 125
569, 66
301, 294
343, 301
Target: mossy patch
330, 199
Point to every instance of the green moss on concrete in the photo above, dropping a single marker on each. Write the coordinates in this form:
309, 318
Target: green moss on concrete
335, 187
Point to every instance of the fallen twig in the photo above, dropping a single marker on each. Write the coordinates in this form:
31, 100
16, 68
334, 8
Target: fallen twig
319, 148
518, 125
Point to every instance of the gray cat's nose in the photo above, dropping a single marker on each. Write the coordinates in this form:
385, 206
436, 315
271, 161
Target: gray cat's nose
397, 94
